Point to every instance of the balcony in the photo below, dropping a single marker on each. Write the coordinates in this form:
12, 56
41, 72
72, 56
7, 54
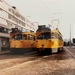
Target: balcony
5, 35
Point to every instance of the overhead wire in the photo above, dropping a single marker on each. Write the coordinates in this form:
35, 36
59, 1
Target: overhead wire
45, 5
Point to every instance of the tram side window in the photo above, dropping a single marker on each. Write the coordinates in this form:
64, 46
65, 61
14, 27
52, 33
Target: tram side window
31, 37
14, 37
53, 36
56, 35
34, 37
59, 37
24, 37
28, 36
19, 37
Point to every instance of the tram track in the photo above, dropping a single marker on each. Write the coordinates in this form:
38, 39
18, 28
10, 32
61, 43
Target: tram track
72, 53
32, 63
8, 60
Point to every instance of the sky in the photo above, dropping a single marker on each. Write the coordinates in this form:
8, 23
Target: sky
44, 11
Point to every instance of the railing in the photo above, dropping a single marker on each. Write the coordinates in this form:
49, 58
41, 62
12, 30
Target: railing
5, 35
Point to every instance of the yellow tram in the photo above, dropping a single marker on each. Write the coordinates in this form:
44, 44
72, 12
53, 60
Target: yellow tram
22, 41
49, 41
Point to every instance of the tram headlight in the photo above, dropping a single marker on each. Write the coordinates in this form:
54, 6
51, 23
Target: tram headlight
14, 45
42, 45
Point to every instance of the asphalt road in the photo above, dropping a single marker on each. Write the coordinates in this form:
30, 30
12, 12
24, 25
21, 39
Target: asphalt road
62, 63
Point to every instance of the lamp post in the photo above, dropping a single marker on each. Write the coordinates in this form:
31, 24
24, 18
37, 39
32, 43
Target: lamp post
72, 22
70, 35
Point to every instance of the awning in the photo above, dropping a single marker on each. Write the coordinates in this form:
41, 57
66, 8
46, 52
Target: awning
4, 26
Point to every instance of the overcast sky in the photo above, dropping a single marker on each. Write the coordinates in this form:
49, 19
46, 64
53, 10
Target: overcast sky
42, 11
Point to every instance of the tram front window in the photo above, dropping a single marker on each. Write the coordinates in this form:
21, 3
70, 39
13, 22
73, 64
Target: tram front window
24, 37
17, 37
45, 35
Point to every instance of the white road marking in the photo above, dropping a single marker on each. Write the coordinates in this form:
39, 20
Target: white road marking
70, 52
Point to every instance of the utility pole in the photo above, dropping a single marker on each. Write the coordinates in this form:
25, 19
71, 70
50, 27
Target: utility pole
70, 35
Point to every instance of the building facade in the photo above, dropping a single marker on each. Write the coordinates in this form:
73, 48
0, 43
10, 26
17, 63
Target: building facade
11, 18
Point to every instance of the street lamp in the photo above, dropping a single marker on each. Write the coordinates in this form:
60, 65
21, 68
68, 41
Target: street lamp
70, 35
71, 31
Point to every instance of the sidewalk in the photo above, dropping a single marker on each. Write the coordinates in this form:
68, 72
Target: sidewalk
4, 52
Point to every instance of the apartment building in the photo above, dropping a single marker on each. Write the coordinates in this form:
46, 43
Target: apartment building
10, 17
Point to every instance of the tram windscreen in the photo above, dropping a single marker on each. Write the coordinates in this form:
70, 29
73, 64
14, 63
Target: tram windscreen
17, 37
45, 35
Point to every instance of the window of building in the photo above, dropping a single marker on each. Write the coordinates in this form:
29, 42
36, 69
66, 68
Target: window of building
3, 30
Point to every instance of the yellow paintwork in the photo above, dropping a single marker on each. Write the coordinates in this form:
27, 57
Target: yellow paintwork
49, 43
22, 43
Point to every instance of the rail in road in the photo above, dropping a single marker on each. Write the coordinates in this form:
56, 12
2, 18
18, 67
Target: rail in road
71, 50
61, 63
